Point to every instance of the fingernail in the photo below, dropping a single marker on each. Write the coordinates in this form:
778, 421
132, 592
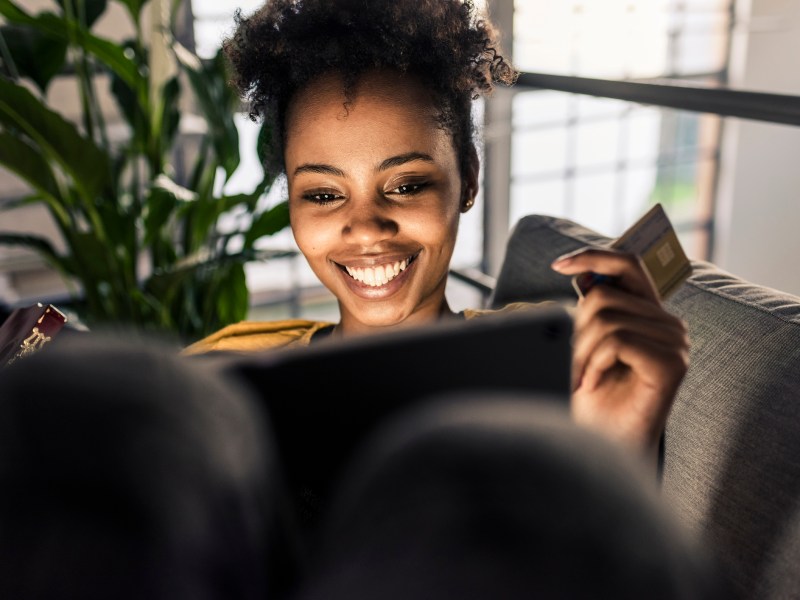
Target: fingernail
560, 262
570, 254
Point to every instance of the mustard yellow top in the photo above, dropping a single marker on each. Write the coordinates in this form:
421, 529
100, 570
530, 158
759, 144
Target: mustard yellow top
254, 336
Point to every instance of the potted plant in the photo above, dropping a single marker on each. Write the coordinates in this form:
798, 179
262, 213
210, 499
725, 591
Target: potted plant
144, 247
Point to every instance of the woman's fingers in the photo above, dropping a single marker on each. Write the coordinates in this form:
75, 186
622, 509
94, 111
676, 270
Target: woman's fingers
611, 298
628, 389
633, 343
607, 310
625, 268
667, 332
660, 364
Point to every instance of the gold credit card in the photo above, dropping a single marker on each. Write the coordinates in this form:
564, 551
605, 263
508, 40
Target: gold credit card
654, 240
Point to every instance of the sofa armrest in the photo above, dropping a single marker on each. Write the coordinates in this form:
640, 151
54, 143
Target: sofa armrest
732, 462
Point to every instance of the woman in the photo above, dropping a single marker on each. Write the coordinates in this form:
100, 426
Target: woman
369, 103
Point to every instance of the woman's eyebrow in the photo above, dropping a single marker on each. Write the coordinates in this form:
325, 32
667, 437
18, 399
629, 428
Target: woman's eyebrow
394, 161
401, 159
317, 168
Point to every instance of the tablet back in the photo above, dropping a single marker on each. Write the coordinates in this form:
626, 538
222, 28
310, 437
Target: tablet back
322, 400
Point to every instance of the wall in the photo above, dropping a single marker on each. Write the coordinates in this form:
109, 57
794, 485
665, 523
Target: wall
758, 208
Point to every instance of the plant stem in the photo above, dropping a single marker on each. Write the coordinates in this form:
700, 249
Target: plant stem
7, 58
80, 69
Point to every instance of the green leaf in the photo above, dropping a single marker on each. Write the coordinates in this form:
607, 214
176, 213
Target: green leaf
204, 215
250, 201
161, 205
134, 7
168, 200
203, 295
26, 162
120, 223
110, 54
217, 101
189, 267
86, 11
13, 13
58, 139
130, 102
268, 223
107, 282
227, 298
15, 203
181, 193
97, 258
169, 114
35, 55
39, 244
160, 224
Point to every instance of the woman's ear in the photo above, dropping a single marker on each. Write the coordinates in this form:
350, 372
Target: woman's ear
469, 186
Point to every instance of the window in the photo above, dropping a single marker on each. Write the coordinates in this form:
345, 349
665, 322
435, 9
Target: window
600, 161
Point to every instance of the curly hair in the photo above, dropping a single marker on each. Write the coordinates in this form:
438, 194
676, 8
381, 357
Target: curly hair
447, 44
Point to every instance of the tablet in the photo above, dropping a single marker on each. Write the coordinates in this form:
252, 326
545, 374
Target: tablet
322, 400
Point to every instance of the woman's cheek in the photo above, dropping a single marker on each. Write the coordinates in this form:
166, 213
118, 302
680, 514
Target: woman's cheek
312, 234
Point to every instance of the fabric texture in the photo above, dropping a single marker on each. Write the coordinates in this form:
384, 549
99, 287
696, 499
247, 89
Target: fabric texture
252, 336
731, 467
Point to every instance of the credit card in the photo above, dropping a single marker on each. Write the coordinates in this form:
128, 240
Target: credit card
654, 240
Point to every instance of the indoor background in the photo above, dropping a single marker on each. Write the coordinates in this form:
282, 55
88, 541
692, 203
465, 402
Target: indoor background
731, 186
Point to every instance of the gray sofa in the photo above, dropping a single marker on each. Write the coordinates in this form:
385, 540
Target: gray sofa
732, 460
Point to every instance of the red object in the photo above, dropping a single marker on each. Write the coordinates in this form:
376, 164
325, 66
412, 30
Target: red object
28, 330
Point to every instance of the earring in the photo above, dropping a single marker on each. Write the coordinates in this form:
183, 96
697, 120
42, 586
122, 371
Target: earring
467, 204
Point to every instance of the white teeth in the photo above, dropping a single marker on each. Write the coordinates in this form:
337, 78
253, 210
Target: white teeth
377, 276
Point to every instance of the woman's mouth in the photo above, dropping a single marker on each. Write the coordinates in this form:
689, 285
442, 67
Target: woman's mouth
378, 275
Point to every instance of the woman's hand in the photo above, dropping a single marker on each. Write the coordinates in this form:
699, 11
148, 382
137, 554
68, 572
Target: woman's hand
630, 355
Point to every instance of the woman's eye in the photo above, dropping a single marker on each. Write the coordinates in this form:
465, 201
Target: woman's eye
322, 197
409, 189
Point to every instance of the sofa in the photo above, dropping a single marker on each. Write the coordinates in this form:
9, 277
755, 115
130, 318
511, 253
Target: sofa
732, 442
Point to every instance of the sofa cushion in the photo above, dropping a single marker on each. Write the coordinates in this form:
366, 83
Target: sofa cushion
732, 461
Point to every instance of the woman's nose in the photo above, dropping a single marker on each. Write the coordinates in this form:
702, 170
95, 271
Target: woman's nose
368, 223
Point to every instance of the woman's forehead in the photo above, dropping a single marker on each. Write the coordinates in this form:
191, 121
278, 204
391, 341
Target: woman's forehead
388, 111
375, 91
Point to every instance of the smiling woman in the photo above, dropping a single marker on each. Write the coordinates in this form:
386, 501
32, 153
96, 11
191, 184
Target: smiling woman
374, 204
369, 105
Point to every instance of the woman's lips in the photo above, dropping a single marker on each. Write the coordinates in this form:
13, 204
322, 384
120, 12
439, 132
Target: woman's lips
377, 280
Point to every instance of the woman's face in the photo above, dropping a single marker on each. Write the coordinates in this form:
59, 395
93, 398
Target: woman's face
375, 195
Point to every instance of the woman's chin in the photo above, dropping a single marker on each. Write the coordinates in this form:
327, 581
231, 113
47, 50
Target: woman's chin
375, 320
